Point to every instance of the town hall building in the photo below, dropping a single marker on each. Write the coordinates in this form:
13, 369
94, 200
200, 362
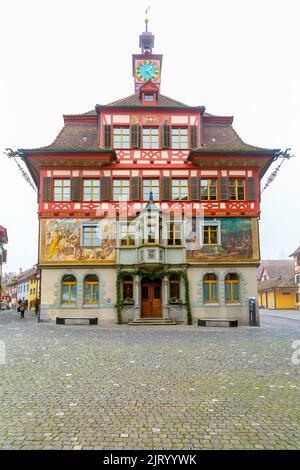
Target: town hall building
148, 209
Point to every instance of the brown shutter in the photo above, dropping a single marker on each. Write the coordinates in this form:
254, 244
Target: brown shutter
194, 136
223, 188
107, 136
105, 188
76, 188
135, 136
194, 184
165, 136
251, 189
135, 188
165, 188
47, 189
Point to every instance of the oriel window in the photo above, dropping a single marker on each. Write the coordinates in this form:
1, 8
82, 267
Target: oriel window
120, 189
179, 138
209, 189
180, 189
237, 189
91, 190
91, 289
62, 189
174, 234
150, 138
151, 185
210, 288
121, 137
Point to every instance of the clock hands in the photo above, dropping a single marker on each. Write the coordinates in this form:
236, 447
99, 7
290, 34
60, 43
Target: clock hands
149, 71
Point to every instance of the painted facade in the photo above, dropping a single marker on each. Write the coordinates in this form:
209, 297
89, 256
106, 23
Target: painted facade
148, 208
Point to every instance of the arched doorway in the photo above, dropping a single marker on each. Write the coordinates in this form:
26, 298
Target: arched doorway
151, 304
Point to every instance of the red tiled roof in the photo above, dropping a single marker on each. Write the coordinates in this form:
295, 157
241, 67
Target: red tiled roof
134, 100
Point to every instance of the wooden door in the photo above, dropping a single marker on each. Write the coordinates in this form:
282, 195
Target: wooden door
151, 299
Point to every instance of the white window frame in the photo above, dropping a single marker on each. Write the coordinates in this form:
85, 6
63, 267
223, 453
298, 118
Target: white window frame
216, 223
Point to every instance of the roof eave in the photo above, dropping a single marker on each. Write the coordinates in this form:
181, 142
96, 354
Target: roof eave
193, 108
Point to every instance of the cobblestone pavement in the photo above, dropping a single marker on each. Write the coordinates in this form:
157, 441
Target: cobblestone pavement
86, 387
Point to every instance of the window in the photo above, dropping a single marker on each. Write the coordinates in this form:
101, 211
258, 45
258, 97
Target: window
62, 190
180, 189
210, 288
69, 289
209, 189
237, 189
232, 288
90, 235
127, 284
121, 137
151, 185
210, 234
174, 234
174, 282
179, 138
127, 234
148, 97
121, 190
150, 138
91, 190
91, 289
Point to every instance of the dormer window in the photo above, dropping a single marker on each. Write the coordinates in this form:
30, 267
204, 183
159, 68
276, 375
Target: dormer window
149, 97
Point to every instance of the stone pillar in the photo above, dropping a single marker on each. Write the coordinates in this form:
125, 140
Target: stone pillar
137, 304
165, 300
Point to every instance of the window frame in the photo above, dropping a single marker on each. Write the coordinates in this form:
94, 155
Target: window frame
82, 230
150, 188
128, 225
121, 189
180, 188
121, 127
61, 189
69, 284
231, 283
150, 140
209, 189
176, 282
210, 282
127, 282
204, 224
173, 237
236, 188
91, 189
179, 147
91, 284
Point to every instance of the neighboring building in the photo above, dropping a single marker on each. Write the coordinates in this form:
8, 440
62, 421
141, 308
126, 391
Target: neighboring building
276, 285
3, 253
27, 285
296, 262
105, 243
11, 290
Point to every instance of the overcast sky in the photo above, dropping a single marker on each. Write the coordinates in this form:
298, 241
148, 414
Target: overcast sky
235, 57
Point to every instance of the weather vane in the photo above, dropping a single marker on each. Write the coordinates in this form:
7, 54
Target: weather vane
147, 19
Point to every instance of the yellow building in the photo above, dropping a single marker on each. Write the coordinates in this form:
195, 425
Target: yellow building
277, 294
33, 292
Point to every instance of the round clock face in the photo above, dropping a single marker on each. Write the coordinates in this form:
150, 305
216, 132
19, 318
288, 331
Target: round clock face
147, 70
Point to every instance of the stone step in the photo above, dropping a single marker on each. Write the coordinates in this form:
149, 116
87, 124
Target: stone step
152, 322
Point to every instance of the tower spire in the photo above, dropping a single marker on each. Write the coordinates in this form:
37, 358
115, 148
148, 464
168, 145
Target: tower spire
147, 19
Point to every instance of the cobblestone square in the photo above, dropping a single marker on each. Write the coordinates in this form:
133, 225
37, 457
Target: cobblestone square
87, 387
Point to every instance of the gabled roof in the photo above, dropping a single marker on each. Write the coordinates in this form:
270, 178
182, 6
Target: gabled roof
277, 268
23, 276
134, 100
278, 284
296, 252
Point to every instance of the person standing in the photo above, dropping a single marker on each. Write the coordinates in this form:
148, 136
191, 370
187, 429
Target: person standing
22, 308
36, 305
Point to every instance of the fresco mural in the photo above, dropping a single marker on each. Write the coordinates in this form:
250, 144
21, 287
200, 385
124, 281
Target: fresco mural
61, 242
239, 241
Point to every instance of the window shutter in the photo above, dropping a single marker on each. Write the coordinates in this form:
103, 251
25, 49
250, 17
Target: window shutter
105, 188
107, 136
47, 189
76, 188
165, 136
166, 188
135, 136
135, 188
251, 191
194, 136
223, 188
195, 194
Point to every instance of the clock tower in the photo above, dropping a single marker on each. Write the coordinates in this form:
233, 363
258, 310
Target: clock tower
146, 65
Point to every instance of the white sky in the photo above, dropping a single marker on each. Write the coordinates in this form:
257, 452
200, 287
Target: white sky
235, 57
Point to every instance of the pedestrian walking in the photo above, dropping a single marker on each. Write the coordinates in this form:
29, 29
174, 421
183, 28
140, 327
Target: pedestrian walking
22, 309
36, 305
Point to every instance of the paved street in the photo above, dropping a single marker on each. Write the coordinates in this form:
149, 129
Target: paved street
86, 387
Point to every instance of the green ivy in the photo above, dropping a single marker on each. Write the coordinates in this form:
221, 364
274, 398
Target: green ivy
152, 276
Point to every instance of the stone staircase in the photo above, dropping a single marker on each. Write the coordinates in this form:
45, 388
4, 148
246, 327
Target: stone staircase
152, 322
